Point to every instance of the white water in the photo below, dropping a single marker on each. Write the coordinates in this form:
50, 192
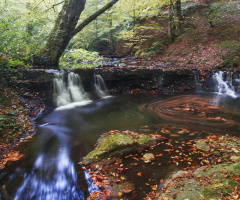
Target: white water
100, 87
224, 86
68, 89
54, 175
43, 185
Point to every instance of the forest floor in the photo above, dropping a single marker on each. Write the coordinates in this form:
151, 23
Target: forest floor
197, 43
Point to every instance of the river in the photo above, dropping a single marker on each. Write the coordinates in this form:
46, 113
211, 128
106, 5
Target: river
50, 167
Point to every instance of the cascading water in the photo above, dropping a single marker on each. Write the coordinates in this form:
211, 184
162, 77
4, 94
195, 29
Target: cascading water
43, 185
54, 174
224, 84
100, 87
68, 89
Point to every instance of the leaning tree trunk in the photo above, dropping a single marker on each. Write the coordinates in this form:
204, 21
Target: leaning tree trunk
61, 34
64, 29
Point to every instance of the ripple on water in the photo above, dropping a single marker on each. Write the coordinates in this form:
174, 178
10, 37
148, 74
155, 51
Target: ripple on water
191, 111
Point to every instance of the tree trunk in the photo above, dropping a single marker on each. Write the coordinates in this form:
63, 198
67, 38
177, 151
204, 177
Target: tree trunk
61, 34
177, 14
174, 18
111, 40
210, 13
64, 29
170, 21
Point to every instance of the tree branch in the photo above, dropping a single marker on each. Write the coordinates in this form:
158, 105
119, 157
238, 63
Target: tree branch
93, 17
54, 6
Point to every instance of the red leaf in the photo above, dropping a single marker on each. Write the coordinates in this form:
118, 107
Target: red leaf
175, 195
235, 178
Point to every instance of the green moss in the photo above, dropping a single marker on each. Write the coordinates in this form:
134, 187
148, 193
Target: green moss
117, 145
222, 184
236, 168
109, 144
144, 139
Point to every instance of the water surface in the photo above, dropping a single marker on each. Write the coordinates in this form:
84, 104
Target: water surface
50, 168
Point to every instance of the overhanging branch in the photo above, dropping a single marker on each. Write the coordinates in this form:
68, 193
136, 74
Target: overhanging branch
53, 6
93, 17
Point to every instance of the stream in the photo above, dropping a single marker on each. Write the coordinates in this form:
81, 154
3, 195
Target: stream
50, 167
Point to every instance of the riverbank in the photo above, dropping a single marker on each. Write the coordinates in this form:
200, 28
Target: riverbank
17, 115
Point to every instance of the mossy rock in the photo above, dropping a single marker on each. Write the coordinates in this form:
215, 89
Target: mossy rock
202, 145
118, 144
215, 181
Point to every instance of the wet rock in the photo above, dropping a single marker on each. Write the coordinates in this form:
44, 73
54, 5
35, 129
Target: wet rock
235, 150
225, 157
205, 183
216, 153
148, 157
119, 144
235, 158
121, 188
202, 145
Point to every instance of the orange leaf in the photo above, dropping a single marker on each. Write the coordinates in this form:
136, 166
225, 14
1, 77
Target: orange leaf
139, 174
167, 192
235, 178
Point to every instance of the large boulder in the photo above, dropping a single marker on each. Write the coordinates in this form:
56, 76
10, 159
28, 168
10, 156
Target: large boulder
119, 143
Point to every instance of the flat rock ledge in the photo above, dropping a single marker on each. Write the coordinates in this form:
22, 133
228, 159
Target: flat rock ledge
119, 143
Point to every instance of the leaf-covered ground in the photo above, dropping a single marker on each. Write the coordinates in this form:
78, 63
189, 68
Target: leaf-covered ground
197, 43
16, 117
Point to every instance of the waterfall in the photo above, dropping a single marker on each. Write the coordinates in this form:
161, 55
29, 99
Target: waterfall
100, 87
67, 89
224, 84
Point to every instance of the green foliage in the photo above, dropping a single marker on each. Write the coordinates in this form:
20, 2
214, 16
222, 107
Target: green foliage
213, 14
79, 58
24, 28
114, 25
232, 58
